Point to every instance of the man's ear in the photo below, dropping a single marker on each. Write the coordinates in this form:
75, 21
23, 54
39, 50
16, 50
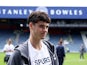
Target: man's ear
30, 25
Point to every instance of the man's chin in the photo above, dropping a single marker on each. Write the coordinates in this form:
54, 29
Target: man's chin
42, 38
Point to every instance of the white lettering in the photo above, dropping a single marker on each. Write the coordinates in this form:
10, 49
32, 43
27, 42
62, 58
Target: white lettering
52, 12
75, 12
20, 12
58, 12
9, 12
15, 12
25, 11
80, 12
30, 11
65, 12
70, 12
4, 11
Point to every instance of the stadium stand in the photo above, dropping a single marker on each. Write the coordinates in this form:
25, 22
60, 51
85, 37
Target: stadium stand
4, 35
12, 29
74, 46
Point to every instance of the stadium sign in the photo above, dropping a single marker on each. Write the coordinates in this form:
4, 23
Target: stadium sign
53, 12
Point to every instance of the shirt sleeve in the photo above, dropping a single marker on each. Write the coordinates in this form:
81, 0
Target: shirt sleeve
4, 48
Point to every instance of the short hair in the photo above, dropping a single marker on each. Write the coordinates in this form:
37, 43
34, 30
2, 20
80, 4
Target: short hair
36, 16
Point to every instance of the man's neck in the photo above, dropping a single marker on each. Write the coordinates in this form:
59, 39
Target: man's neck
36, 43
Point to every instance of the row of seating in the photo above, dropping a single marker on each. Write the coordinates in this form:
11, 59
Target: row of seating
19, 38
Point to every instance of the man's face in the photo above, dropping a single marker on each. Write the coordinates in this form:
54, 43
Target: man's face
9, 41
40, 29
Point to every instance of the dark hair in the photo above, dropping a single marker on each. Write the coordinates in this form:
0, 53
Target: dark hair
36, 16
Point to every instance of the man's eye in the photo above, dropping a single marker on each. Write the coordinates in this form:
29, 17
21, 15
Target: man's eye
47, 26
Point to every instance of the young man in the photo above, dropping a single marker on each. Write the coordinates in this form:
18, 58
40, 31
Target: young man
60, 52
82, 51
8, 49
35, 51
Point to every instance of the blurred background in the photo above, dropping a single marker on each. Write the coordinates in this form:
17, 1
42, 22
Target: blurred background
67, 23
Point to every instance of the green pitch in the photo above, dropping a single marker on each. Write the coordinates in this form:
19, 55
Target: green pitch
2, 59
70, 59
74, 59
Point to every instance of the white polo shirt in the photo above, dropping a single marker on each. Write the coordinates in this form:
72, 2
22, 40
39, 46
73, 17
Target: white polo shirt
8, 47
39, 57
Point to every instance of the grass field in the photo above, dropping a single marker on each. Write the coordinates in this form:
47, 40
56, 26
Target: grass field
70, 59
74, 59
1, 59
